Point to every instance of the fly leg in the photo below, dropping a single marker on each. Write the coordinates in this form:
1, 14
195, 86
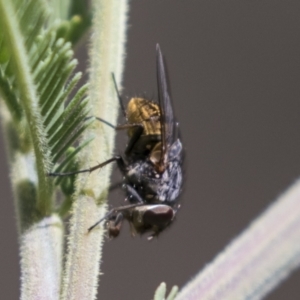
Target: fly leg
133, 194
118, 159
114, 226
135, 137
139, 129
114, 215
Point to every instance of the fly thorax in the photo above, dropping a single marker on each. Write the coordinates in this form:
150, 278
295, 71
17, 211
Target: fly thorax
144, 112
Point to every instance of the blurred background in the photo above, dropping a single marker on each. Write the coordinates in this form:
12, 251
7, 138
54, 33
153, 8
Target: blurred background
234, 69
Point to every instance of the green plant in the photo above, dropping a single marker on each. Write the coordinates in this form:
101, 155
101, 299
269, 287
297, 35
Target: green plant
43, 115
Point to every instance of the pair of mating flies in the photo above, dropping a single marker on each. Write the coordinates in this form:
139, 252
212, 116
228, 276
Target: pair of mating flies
151, 165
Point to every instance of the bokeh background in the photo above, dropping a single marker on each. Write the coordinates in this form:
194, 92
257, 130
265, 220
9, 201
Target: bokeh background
234, 68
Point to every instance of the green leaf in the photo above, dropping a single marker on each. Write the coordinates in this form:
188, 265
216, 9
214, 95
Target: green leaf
23, 82
36, 66
160, 292
173, 293
69, 161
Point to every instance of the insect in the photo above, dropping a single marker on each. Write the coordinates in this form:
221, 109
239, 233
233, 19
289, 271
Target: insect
151, 165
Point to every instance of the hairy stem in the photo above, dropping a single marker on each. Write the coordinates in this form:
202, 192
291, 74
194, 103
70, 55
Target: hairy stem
258, 260
106, 56
41, 245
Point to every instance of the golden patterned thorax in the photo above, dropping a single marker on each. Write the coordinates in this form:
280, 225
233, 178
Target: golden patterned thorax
145, 112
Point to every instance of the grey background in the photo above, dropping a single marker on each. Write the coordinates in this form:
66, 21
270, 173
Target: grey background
234, 69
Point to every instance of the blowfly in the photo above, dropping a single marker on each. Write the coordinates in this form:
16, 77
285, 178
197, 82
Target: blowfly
151, 165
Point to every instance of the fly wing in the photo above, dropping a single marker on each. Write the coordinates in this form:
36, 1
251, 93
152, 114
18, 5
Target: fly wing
166, 110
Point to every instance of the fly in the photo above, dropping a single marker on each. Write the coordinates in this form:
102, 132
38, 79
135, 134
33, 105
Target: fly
151, 165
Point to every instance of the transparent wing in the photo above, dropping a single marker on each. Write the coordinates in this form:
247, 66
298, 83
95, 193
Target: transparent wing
167, 117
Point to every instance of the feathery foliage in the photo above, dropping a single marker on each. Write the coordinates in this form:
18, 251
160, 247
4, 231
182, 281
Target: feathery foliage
36, 81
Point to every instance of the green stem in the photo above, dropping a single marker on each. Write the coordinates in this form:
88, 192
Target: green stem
84, 249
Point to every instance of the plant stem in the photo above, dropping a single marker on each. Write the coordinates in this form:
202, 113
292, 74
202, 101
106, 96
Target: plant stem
106, 56
258, 260
41, 245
